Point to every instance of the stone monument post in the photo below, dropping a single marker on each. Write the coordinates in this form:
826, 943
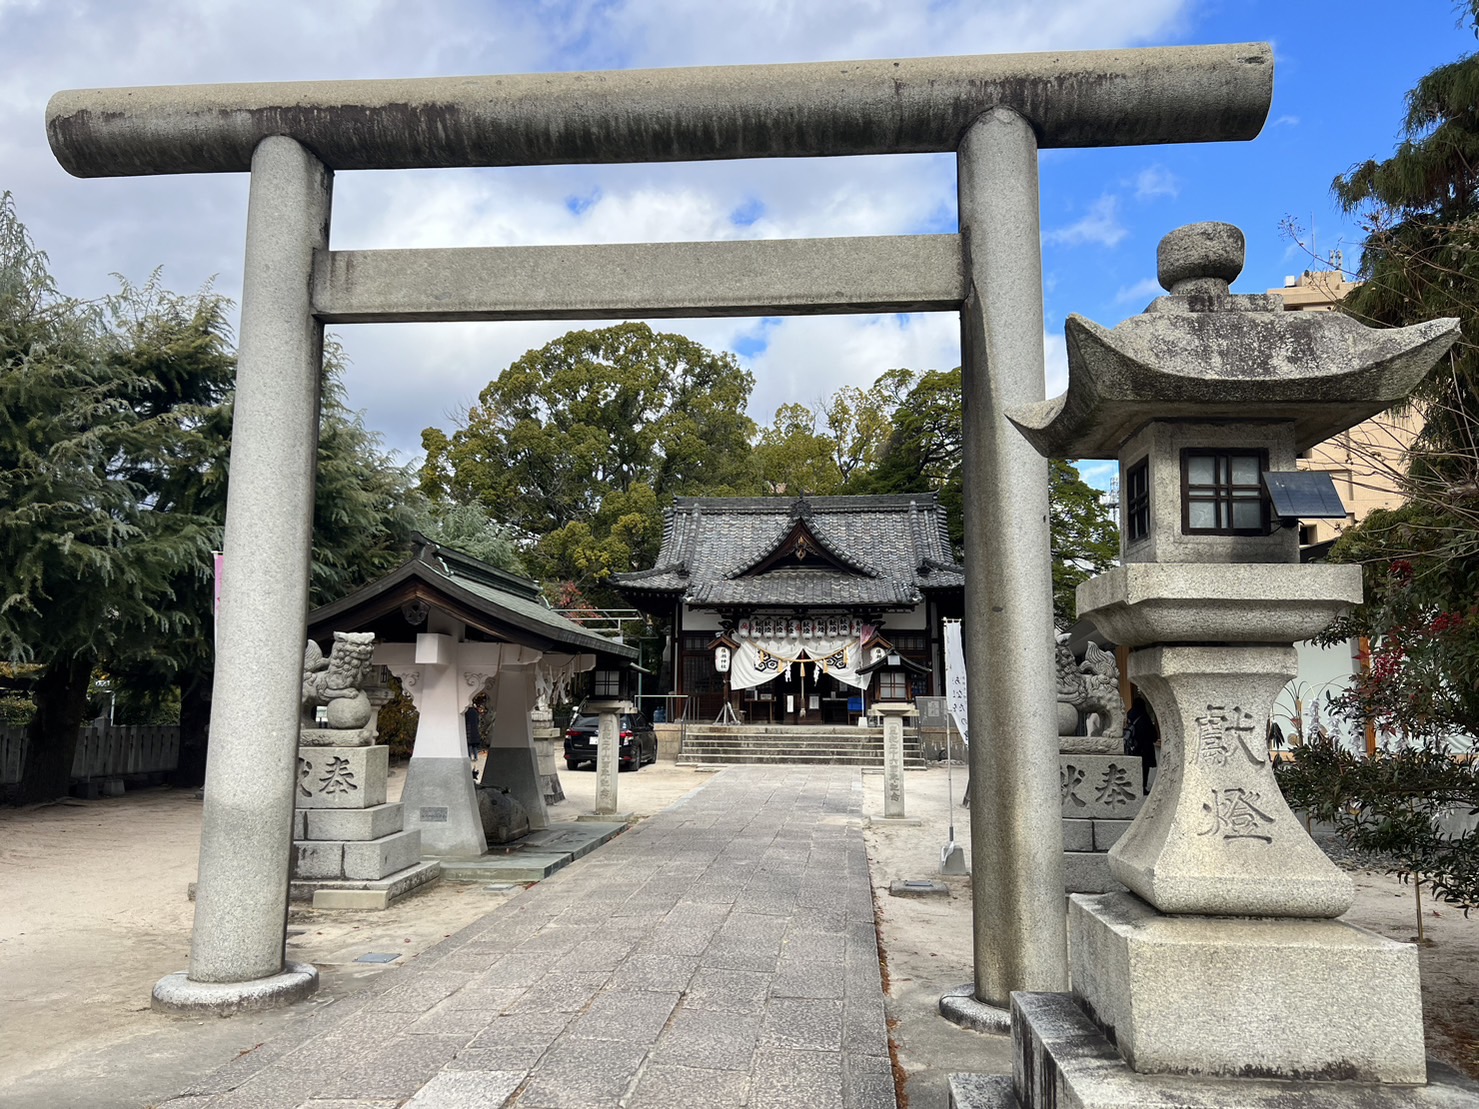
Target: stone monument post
608, 751
241, 900
1222, 977
893, 713
546, 750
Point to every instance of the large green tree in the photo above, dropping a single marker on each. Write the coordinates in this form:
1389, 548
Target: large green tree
87, 566
925, 442
579, 442
1085, 538
115, 431
794, 456
365, 508
1420, 261
834, 447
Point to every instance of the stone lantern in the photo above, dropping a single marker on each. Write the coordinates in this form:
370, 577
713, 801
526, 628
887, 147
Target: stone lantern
610, 697
1225, 960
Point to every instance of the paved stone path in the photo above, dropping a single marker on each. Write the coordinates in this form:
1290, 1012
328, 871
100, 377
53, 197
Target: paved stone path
720, 954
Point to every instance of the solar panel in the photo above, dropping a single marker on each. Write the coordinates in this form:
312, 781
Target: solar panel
1304, 495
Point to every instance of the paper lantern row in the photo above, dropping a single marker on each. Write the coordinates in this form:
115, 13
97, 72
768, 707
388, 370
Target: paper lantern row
804, 627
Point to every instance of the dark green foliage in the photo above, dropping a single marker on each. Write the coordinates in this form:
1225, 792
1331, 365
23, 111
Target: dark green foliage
794, 457
924, 447
469, 529
1085, 537
115, 430
91, 549
397, 722
1388, 809
85, 559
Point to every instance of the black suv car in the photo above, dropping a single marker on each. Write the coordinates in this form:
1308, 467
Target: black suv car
636, 743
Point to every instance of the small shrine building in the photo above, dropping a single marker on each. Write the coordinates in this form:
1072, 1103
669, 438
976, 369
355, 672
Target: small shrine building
450, 626
801, 610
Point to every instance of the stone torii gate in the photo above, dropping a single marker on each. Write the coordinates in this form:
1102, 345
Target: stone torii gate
994, 112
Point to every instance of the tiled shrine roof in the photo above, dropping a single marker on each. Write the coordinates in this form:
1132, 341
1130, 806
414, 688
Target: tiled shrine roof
499, 603
884, 551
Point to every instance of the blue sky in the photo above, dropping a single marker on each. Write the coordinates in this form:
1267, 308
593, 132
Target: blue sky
1341, 73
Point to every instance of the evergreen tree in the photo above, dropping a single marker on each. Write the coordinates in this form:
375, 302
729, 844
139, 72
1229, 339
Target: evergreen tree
1085, 538
467, 528
86, 564
115, 432
365, 508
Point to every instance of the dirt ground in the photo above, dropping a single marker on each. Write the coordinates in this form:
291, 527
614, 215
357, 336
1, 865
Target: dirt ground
95, 912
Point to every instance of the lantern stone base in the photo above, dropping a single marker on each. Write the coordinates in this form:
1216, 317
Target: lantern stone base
1231, 996
441, 802
1064, 1061
516, 769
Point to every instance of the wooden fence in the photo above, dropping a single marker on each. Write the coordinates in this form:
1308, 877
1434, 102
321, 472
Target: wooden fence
101, 752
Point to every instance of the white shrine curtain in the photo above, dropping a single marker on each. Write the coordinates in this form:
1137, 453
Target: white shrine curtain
759, 660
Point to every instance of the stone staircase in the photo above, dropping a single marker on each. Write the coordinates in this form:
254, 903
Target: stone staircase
835, 745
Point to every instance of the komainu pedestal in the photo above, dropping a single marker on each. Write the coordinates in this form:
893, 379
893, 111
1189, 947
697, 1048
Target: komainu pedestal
1100, 786
349, 846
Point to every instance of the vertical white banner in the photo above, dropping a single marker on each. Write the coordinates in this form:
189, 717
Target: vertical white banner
955, 691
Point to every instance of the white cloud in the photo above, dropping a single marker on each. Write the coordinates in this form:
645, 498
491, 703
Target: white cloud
1100, 473
411, 376
1099, 225
808, 358
1140, 292
1055, 364
1156, 181
1287, 121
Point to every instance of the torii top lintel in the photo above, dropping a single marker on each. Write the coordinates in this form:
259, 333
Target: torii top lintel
816, 109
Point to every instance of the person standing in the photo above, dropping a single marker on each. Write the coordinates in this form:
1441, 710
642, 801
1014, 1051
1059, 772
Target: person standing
1142, 738
472, 722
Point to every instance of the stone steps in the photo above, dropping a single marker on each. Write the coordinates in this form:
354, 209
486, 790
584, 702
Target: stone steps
746, 758
794, 747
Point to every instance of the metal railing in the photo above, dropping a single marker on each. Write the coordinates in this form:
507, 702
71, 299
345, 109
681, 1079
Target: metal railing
608, 622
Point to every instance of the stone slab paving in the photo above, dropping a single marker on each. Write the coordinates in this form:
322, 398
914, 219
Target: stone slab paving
721, 953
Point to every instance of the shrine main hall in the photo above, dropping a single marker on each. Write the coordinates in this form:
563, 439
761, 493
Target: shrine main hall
801, 610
